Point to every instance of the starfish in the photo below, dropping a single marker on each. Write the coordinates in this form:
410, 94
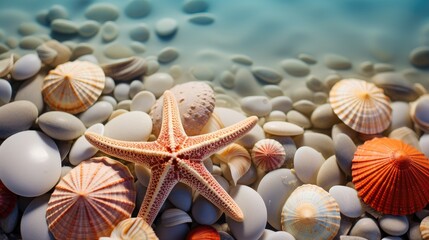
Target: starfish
175, 157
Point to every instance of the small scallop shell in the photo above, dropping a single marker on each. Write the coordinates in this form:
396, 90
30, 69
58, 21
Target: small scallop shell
7, 201
268, 154
53, 53
73, 87
91, 200
133, 229
424, 228
311, 213
203, 232
6, 66
361, 105
237, 158
126, 69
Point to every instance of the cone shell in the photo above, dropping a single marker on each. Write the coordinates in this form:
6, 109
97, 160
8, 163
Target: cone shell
203, 232
73, 86
7, 201
361, 105
91, 200
268, 154
311, 213
424, 228
390, 176
133, 229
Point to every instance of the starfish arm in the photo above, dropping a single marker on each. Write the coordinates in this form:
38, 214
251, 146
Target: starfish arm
194, 174
146, 153
202, 146
161, 183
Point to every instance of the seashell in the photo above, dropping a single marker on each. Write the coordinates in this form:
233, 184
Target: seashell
395, 86
73, 86
311, 213
268, 154
174, 216
391, 176
8, 201
126, 69
91, 200
6, 66
53, 53
418, 112
424, 228
133, 229
237, 158
205, 232
361, 105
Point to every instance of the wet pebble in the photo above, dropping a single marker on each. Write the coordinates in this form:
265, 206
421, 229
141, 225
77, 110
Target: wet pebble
168, 55
337, 62
400, 115
330, 174
130, 126
140, 33
419, 57
61, 125
109, 31
348, 200
295, 67
138, 9
195, 6
16, 116
267, 75
57, 12
242, 59
282, 128
143, 101
5, 92
158, 83
181, 196
323, 117
136, 86
394, 225
138, 48
97, 113
307, 163
273, 91
89, 28
366, 228
344, 152
166, 27
26, 67
256, 105
64, 26
201, 18
366, 67
33, 222
102, 12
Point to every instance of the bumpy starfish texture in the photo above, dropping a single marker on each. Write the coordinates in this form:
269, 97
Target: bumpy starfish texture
175, 157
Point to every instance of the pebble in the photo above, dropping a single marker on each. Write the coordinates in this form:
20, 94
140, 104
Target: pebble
256, 105
395, 86
143, 101
118, 51
181, 196
173, 225
242, 59
89, 28
57, 12
246, 84
64, 26
298, 118
323, 117
282, 128
121, 92
30, 42
320, 98
315, 84
253, 225
276, 116
129, 126
136, 86
330, 174
97, 113
301, 93
168, 55
295, 67
16, 116
383, 67
26, 67
5, 92
394, 225
138, 9
400, 115
109, 85
158, 83
6, 65
124, 104
424, 144
280, 235
109, 31
367, 228
202, 72
419, 57
31, 90
337, 62
406, 135
307, 58
81, 50
307, 163
344, 152
272, 91
138, 48
8, 223
281, 103
320, 142
267, 75
201, 18
195, 6
140, 33
366, 67
61, 125
102, 12
3, 48
348, 200
33, 222
153, 67
35, 157
166, 27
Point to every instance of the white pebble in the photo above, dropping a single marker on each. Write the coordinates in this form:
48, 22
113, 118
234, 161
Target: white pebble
136, 86
168, 55
159, 82
26, 67
109, 85
102, 12
282, 128
33, 222
109, 31
16, 116
97, 113
337, 62
256, 105
393, 224
307, 163
122, 92
5, 92
61, 125
295, 67
348, 200
330, 174
143, 101
130, 126
166, 27
367, 228
281, 103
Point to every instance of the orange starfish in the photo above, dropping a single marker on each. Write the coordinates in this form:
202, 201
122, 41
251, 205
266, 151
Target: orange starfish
175, 157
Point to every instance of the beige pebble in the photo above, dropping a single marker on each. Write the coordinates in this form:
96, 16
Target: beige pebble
124, 104
267, 75
64, 26
307, 58
166, 27
295, 67
202, 18
419, 57
282, 128
89, 28
57, 12
298, 118
143, 101
304, 106
129, 126
82, 49
102, 12
315, 84
256, 105
395, 86
320, 98
400, 115
158, 83
109, 31
16, 116
330, 174
394, 225
383, 67
281, 103
366, 67
27, 28
406, 135
61, 125
337, 62
168, 55
97, 113
242, 59
320, 142
323, 117
301, 93
202, 72
367, 228
118, 51
31, 90
246, 84
276, 116
344, 152
30, 42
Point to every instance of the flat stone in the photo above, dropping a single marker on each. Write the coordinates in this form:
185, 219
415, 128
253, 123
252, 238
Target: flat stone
242, 59
61, 125
281, 103
202, 18
367, 228
168, 55
31, 90
130, 126
97, 113
246, 84
109, 31
330, 174
295, 67
30, 42
256, 105
16, 116
321, 142
5, 92
27, 28
419, 57
64, 26
344, 152
298, 118
26, 67
166, 27
158, 83
307, 162
307, 58
195, 6
267, 75
394, 225
138, 9
89, 28
102, 12
143, 101
140, 33
337, 62
282, 128
348, 200
118, 51
273, 90
323, 117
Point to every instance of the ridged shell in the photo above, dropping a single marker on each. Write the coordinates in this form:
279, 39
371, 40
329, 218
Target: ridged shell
73, 86
311, 213
424, 228
7, 201
361, 105
91, 200
268, 154
6, 65
174, 216
53, 53
126, 69
203, 232
133, 229
237, 158
390, 176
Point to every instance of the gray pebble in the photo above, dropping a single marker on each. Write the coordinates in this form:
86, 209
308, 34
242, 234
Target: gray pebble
109, 85
367, 228
246, 84
295, 67
320, 142
395, 86
64, 26
202, 72
168, 55
111, 100
366, 67
102, 12
330, 174
273, 91
109, 31
3, 48
158, 83
301, 93
227, 80
30, 42
400, 115
315, 84
16, 116
124, 105
5, 92
138, 9
122, 92
166, 27
201, 19
298, 118
419, 57
136, 86
181, 196
195, 6
152, 67
57, 12
267, 75
97, 113
383, 67
337, 62
323, 117
281, 103
242, 59
140, 33
256, 105
394, 225
307, 58
31, 90
307, 162
26, 67
61, 125
138, 47
348, 200
89, 28
344, 152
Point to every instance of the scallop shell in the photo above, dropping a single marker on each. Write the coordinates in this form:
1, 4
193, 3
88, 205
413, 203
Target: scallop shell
268, 154
53, 53
6, 66
237, 158
203, 232
133, 229
7, 201
126, 69
361, 105
311, 213
424, 228
73, 86
391, 176
91, 200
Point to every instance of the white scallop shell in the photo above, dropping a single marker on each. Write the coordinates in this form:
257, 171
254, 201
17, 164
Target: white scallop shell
133, 229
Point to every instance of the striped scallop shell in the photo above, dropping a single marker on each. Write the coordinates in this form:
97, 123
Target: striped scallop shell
311, 213
8, 201
361, 105
424, 228
268, 154
133, 229
391, 176
237, 158
91, 200
73, 86
126, 69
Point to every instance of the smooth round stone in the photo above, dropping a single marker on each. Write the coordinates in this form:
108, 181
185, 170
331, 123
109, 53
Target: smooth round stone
366, 67
421, 110
121, 92
274, 188
81, 50
158, 83
153, 67
57, 12
202, 73
5, 92
242, 59
140, 33
109, 31
419, 57
320, 98
35, 157
130, 126
400, 115
166, 27
295, 67
16, 116
315, 84
33, 222
195, 6
102, 12
246, 84
267, 75
337, 62
138, 48
181, 196
137, 9
136, 86
301, 93
394, 225
423, 142
31, 90
143, 101
256, 105
201, 18
168, 55
395, 86
345, 149
172, 232
64, 26
280, 235
273, 91
323, 117
307, 163
367, 228
307, 58
298, 118
109, 85
204, 212
276, 116
383, 67
26, 67
61, 125
414, 232
97, 113
330, 174
281, 103
124, 104
110, 100
348, 200
255, 213
3, 48
118, 51
282, 128
30, 42
89, 28
320, 142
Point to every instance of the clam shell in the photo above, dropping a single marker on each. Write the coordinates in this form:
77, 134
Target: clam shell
91, 200
311, 213
53, 53
268, 154
6, 66
361, 105
126, 69
424, 228
203, 232
7, 201
391, 176
73, 86
133, 229
237, 158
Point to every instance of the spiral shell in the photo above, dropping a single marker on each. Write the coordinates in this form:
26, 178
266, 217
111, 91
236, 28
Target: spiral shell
268, 154
126, 69
7, 201
133, 229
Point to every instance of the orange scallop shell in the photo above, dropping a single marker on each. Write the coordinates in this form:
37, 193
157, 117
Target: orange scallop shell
203, 232
91, 200
73, 86
391, 176
361, 105
7, 201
